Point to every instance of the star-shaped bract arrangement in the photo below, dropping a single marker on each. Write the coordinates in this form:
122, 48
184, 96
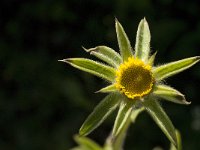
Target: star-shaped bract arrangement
134, 82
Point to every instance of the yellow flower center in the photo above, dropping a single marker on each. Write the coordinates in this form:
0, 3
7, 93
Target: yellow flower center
134, 78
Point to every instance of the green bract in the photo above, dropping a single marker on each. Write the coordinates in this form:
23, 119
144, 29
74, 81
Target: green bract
129, 108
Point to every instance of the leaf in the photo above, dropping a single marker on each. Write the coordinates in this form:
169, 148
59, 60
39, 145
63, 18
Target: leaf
100, 113
178, 136
152, 59
135, 113
92, 67
124, 113
179, 147
161, 118
78, 148
167, 70
106, 54
87, 143
170, 94
108, 89
142, 45
123, 41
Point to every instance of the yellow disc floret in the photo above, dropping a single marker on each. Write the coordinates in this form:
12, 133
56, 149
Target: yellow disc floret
134, 78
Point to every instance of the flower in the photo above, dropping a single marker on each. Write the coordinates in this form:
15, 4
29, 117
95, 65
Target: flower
134, 78
134, 82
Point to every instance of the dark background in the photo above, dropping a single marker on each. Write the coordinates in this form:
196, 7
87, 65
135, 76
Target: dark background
43, 102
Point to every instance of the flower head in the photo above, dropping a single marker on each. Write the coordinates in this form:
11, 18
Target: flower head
134, 78
134, 81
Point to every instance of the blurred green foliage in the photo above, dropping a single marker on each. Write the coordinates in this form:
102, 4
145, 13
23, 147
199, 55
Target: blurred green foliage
44, 102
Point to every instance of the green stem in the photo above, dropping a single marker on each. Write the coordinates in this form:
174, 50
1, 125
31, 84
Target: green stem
117, 143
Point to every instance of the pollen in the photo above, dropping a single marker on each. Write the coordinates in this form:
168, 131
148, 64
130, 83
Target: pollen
134, 78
